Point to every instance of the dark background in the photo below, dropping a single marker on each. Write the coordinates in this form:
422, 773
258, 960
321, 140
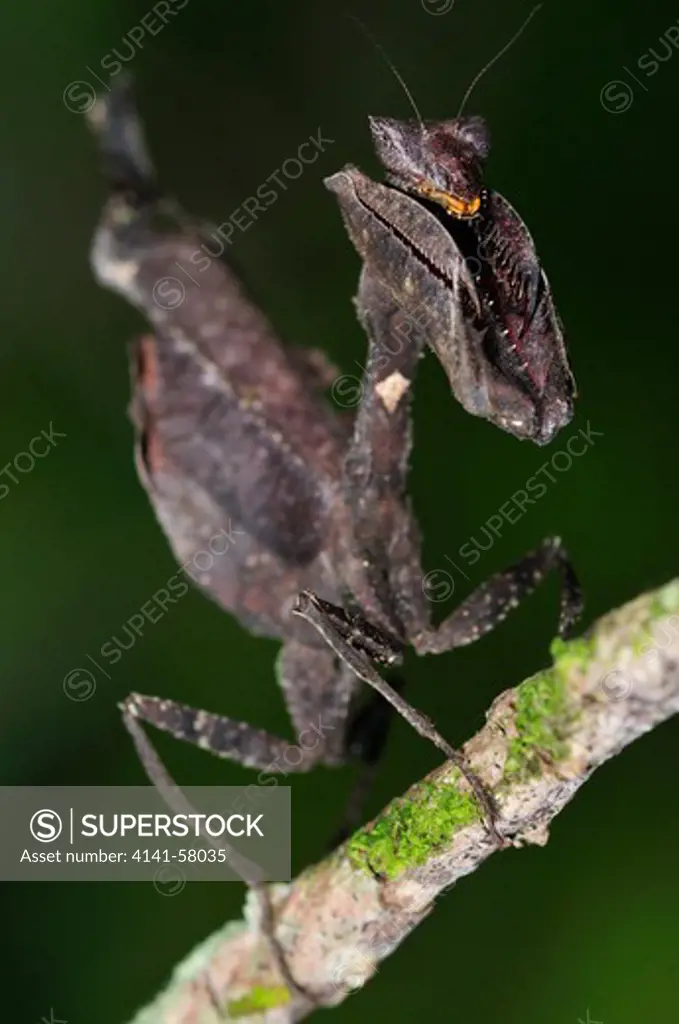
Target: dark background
229, 91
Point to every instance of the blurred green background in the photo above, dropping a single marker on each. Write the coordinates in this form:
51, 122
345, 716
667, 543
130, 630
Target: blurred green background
228, 92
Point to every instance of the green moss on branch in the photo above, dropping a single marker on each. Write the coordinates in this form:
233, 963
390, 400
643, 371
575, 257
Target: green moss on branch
258, 999
413, 827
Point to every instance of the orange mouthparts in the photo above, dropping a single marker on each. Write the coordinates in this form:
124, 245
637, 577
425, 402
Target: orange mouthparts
458, 207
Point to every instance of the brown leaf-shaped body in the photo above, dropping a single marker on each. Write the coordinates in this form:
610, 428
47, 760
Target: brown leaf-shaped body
236, 444
230, 435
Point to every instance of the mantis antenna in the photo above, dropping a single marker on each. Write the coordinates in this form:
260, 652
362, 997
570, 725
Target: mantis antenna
399, 77
497, 56
390, 64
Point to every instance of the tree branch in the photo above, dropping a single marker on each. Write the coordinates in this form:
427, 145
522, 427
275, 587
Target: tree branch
541, 742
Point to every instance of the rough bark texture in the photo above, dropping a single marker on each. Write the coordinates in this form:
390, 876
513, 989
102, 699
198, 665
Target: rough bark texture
541, 742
